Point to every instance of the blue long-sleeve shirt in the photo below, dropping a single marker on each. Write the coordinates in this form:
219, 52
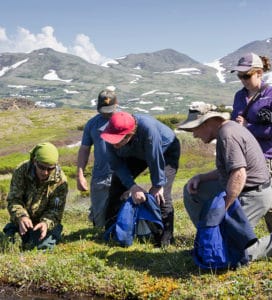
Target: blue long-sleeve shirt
262, 132
149, 143
91, 137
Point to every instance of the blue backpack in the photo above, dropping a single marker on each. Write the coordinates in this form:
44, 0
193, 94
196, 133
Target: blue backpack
129, 216
222, 236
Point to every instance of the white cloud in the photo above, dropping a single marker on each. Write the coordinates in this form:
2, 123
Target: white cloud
25, 41
86, 50
3, 36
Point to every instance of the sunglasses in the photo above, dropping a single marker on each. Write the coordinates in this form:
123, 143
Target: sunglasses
244, 76
44, 168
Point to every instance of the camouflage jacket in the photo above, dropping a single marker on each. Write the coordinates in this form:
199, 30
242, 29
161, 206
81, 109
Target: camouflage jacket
40, 201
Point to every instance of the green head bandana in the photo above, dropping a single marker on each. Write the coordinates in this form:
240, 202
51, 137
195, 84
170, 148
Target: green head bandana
45, 153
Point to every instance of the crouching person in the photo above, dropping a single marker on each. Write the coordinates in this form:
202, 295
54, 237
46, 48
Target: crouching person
240, 171
135, 143
37, 198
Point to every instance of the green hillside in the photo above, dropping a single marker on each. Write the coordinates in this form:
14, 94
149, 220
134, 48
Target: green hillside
83, 265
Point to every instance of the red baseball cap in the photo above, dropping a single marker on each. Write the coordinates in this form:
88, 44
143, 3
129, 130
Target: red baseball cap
120, 124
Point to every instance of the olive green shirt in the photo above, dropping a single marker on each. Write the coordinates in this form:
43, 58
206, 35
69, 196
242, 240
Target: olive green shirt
40, 201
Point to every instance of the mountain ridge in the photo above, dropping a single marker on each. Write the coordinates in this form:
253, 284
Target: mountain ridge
164, 81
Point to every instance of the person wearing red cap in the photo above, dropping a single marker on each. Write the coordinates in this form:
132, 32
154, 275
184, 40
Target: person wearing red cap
134, 143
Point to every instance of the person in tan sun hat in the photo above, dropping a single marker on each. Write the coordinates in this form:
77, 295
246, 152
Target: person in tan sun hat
240, 170
200, 112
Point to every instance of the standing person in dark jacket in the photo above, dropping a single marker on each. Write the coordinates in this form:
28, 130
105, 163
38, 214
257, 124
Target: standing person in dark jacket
37, 198
135, 142
240, 171
255, 114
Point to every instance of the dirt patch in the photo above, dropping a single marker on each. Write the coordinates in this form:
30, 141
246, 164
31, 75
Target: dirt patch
15, 104
71, 139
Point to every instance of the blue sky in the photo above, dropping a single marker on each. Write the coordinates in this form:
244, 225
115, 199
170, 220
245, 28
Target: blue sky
98, 29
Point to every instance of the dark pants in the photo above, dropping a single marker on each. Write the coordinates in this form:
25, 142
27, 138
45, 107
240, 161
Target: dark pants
30, 239
136, 167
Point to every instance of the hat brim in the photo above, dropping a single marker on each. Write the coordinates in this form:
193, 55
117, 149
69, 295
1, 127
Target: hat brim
241, 69
112, 138
189, 124
107, 109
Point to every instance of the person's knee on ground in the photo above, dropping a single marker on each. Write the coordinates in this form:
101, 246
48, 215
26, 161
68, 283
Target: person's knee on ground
10, 230
261, 249
31, 239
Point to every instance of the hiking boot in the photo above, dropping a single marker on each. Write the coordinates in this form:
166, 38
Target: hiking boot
268, 220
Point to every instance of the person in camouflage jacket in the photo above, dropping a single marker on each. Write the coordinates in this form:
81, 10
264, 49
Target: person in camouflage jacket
37, 198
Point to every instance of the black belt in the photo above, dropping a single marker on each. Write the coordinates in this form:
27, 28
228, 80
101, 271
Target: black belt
256, 187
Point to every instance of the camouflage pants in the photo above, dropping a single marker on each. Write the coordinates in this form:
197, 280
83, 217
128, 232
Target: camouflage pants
268, 216
30, 240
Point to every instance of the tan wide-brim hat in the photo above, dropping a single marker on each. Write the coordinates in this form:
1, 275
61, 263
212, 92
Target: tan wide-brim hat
198, 116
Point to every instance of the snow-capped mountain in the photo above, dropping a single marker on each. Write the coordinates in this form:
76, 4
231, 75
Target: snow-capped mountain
164, 81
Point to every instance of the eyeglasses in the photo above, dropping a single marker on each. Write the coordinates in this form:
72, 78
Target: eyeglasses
244, 76
44, 168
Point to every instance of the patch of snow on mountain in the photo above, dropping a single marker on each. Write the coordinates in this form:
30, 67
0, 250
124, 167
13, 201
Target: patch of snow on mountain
201, 106
93, 102
162, 93
136, 79
149, 93
17, 86
179, 98
159, 108
137, 75
45, 104
52, 75
268, 78
184, 71
14, 66
109, 62
70, 92
220, 70
141, 109
145, 102
111, 88
138, 67
122, 57
45, 97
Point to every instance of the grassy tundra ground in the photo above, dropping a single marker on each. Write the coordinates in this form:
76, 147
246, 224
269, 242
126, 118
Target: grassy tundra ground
83, 263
